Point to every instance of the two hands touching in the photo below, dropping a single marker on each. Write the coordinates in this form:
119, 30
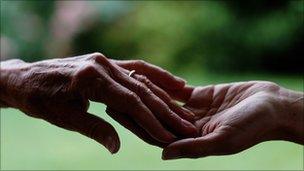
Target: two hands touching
214, 120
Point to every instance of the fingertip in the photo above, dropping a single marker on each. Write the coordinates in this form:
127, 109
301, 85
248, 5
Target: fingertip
170, 153
108, 137
112, 143
181, 81
181, 111
189, 115
177, 83
190, 130
97, 129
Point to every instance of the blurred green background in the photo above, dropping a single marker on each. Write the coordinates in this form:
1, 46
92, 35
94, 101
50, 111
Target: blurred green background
206, 42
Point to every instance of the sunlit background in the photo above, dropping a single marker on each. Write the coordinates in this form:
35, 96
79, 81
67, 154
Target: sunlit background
206, 42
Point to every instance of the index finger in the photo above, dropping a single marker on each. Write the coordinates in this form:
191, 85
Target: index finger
129, 123
156, 74
159, 108
125, 101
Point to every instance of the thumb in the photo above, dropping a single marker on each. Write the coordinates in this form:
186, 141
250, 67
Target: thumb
211, 144
97, 129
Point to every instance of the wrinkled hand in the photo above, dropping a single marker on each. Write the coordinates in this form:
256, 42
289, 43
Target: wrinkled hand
59, 91
231, 118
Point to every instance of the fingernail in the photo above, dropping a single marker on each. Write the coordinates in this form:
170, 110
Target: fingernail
190, 115
173, 102
191, 130
183, 108
188, 111
111, 145
169, 154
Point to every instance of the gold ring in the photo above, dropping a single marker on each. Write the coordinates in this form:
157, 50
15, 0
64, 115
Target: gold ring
131, 73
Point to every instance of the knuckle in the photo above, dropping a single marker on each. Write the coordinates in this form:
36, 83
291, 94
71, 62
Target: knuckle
85, 71
131, 99
140, 62
142, 89
147, 81
144, 79
270, 86
97, 58
97, 54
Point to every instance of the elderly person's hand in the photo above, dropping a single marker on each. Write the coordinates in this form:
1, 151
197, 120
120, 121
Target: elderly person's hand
59, 90
234, 117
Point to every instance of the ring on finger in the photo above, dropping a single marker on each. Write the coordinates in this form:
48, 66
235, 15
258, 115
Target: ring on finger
131, 73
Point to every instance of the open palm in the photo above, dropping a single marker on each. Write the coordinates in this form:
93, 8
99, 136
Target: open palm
229, 117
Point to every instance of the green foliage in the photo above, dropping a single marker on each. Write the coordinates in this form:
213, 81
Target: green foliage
209, 35
194, 38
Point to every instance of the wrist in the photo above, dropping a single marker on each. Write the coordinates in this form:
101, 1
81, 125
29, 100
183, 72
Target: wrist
292, 118
10, 74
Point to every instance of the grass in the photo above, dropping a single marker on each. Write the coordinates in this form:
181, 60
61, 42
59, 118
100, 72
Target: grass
33, 144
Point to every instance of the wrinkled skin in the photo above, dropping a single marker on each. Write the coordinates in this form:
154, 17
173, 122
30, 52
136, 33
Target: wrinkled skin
59, 90
227, 118
234, 117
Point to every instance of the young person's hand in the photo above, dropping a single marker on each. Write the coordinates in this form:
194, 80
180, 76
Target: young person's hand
234, 117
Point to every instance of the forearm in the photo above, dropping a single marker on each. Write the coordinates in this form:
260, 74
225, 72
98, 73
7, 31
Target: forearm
3, 84
9, 74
